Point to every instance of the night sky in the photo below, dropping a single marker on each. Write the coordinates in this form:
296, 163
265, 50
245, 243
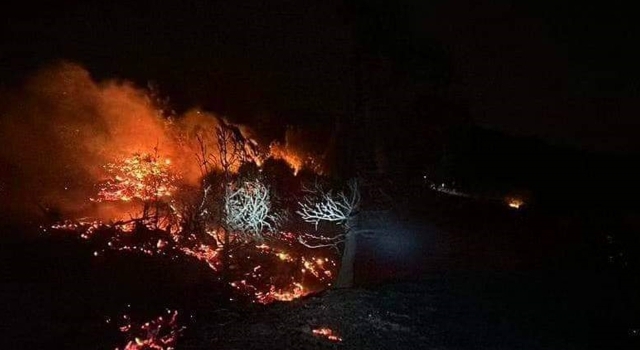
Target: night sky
564, 72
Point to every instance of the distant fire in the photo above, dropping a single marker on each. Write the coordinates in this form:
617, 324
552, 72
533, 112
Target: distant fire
295, 158
515, 203
327, 333
277, 151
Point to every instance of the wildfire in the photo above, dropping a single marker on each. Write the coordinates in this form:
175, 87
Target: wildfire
294, 291
143, 176
327, 333
277, 151
261, 267
314, 274
204, 253
96, 120
160, 333
318, 267
515, 203
296, 159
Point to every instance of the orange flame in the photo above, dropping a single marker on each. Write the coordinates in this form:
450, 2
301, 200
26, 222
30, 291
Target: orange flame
327, 333
514, 202
144, 177
278, 151
294, 291
160, 334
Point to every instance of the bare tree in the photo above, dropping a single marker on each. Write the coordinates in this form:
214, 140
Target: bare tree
240, 208
228, 156
342, 209
203, 156
248, 210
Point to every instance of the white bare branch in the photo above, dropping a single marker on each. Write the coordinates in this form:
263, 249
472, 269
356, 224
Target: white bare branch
202, 209
325, 206
248, 209
333, 244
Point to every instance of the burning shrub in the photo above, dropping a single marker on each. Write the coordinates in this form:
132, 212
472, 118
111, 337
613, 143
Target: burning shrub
327, 333
143, 176
160, 333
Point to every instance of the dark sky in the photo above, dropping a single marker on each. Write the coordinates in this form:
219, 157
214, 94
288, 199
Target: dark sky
566, 72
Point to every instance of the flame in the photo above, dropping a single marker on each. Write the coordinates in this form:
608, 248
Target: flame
160, 333
62, 126
206, 254
278, 151
289, 293
515, 203
260, 266
327, 333
145, 177
151, 179
318, 267
99, 134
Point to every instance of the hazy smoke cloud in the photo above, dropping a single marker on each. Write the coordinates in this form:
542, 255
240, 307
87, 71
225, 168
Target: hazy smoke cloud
61, 128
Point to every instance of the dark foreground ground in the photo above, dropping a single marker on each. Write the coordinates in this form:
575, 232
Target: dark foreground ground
479, 311
460, 275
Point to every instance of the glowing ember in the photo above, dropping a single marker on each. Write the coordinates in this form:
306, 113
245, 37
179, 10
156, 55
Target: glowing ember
264, 274
515, 203
159, 334
327, 333
205, 253
295, 291
281, 272
318, 267
144, 177
284, 256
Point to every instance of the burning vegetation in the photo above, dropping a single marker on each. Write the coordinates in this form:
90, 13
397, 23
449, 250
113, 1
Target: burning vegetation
145, 177
133, 178
161, 333
327, 333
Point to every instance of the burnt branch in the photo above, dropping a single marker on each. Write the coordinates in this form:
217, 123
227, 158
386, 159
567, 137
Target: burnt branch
320, 205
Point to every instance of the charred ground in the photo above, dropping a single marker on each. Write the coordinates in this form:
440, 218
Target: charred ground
469, 275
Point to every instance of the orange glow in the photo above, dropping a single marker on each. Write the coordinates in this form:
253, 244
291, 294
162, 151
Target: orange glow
296, 159
160, 333
284, 256
102, 177
63, 114
278, 151
142, 176
318, 267
327, 333
206, 254
261, 267
515, 203
294, 291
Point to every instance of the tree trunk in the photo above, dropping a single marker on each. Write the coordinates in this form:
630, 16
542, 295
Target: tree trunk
345, 276
226, 267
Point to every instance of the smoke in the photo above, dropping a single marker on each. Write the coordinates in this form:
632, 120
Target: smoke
62, 127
